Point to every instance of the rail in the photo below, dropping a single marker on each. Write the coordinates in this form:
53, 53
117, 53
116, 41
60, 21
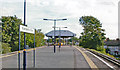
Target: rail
116, 62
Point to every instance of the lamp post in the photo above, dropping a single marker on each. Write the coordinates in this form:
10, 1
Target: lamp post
60, 35
54, 29
24, 52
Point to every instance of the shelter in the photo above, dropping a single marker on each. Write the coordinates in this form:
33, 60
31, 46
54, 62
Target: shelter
62, 33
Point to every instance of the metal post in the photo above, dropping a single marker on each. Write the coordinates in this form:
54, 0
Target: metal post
48, 41
54, 36
19, 50
34, 52
63, 41
54, 29
24, 52
72, 42
59, 37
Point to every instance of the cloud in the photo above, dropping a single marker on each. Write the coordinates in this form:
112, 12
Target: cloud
5, 11
107, 3
38, 2
105, 10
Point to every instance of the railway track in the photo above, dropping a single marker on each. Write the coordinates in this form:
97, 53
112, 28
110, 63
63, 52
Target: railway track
110, 59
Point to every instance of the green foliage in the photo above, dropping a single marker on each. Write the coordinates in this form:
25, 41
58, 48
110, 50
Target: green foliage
6, 48
57, 40
93, 35
101, 48
50, 40
10, 34
74, 40
10, 31
103, 53
39, 39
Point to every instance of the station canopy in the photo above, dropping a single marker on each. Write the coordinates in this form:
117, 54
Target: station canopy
62, 33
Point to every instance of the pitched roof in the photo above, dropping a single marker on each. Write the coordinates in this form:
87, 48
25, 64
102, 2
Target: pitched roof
112, 43
63, 33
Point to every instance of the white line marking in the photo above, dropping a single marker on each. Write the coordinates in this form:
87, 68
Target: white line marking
102, 60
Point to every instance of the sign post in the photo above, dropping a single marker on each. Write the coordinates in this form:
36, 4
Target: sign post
34, 51
24, 52
25, 30
19, 51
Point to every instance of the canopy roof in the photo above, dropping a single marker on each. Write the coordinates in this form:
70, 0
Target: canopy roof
62, 33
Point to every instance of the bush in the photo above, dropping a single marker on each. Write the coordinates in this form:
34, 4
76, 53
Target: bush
100, 48
103, 52
6, 48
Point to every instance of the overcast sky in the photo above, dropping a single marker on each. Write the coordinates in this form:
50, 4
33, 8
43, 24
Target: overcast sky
105, 10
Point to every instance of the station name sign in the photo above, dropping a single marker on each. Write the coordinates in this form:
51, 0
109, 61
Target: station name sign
26, 29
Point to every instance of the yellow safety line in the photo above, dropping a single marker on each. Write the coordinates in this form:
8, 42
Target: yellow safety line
89, 61
7, 55
20, 52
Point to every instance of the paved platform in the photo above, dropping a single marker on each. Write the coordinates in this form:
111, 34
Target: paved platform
66, 57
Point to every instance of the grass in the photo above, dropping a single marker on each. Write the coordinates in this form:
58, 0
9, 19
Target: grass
103, 52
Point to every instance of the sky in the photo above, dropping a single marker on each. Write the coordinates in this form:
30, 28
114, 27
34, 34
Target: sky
104, 10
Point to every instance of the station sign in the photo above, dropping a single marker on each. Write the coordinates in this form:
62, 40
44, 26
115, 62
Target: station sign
26, 29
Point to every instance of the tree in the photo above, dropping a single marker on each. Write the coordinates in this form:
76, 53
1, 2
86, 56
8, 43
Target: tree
39, 39
10, 30
6, 48
10, 34
73, 39
93, 35
107, 39
117, 39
